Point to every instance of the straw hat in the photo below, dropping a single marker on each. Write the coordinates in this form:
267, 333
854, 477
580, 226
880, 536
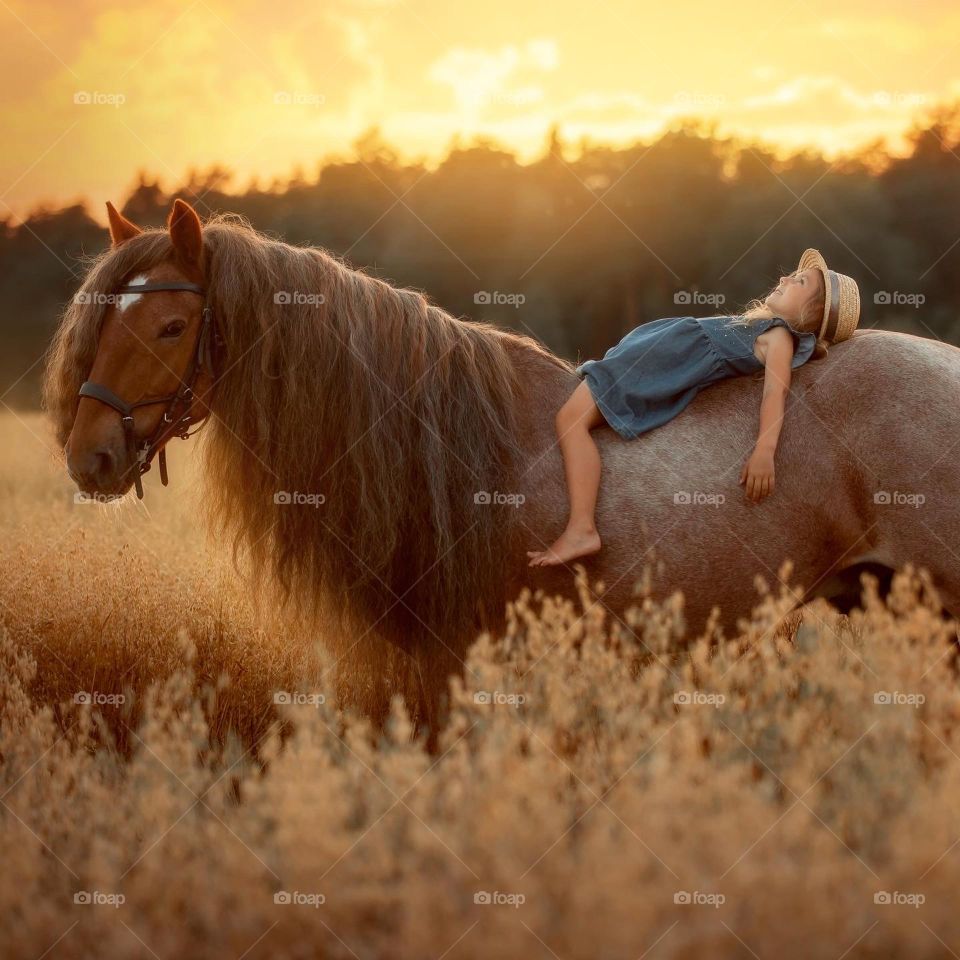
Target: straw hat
841, 302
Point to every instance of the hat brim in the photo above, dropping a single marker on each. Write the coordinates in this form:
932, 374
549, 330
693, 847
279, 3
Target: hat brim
812, 258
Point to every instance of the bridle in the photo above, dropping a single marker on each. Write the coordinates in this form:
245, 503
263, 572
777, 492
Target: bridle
176, 418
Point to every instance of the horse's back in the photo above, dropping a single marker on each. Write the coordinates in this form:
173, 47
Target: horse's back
878, 412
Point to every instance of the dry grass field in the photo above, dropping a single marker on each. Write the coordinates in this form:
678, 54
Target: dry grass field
601, 789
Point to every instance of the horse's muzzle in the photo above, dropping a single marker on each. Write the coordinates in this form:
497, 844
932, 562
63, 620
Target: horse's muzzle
100, 470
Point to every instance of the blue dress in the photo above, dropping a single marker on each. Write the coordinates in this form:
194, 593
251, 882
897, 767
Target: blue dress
659, 367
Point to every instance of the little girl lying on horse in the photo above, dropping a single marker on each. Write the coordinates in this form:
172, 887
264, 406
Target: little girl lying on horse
658, 368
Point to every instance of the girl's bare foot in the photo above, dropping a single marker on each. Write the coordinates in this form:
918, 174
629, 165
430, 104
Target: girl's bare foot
569, 545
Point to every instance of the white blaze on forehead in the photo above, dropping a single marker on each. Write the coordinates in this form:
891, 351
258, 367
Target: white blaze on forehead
127, 299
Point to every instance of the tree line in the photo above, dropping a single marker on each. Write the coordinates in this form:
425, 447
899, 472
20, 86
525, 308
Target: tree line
574, 248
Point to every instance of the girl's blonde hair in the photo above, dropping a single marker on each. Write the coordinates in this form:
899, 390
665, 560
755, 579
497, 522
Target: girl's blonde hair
811, 316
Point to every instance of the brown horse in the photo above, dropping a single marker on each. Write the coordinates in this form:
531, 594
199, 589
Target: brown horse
388, 465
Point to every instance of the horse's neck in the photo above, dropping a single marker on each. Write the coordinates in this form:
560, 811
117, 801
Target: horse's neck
544, 384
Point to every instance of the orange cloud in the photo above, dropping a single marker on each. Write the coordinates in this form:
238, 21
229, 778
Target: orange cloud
97, 90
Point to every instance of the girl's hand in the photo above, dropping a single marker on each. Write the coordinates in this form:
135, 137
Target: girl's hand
757, 473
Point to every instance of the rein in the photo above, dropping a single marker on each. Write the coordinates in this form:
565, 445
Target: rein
176, 420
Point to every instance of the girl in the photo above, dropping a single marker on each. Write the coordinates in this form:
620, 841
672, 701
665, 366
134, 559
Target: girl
658, 368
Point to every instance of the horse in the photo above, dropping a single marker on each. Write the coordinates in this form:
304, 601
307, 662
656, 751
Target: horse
386, 465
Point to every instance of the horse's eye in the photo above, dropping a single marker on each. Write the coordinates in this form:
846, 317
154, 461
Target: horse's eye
173, 329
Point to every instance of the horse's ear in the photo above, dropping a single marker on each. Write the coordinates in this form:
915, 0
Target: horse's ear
186, 233
121, 229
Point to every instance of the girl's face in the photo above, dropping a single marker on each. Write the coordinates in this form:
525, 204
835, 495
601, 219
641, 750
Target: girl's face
793, 292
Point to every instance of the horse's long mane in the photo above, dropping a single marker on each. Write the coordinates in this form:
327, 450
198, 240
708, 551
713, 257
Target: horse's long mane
335, 383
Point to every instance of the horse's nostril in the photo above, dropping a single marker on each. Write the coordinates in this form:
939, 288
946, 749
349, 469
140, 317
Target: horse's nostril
104, 463
91, 469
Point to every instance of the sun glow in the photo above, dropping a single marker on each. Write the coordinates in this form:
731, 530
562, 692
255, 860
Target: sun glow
96, 91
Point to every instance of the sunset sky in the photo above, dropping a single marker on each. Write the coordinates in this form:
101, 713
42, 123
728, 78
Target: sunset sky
96, 90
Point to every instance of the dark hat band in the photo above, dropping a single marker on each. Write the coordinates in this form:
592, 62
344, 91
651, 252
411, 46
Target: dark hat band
833, 307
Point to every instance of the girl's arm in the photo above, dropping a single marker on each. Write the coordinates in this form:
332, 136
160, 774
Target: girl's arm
758, 472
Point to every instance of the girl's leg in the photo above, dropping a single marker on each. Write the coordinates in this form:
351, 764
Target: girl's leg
581, 461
